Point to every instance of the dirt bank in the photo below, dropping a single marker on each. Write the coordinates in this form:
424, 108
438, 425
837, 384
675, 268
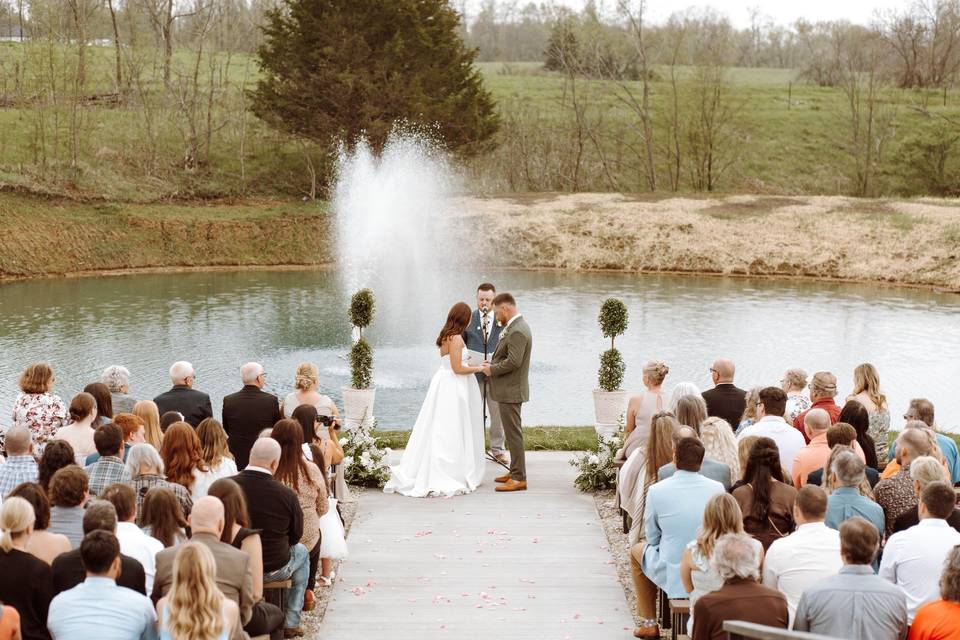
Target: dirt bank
915, 243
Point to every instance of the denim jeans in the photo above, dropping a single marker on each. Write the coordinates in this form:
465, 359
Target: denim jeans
297, 570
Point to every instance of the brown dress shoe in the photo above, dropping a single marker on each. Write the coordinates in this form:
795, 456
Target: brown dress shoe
504, 478
309, 601
293, 632
647, 631
513, 485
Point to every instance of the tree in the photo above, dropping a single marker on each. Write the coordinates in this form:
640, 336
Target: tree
339, 69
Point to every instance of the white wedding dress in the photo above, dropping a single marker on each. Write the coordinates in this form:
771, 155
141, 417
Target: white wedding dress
445, 454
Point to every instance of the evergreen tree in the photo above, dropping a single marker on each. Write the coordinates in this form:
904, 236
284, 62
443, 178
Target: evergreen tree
336, 69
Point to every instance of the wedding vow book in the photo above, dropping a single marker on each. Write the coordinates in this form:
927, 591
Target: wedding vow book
475, 358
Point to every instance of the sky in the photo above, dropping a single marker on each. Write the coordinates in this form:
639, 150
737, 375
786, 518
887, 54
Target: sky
781, 11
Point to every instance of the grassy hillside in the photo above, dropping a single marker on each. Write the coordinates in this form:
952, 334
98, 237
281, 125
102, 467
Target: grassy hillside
790, 136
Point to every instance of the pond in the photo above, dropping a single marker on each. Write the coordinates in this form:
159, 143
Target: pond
218, 320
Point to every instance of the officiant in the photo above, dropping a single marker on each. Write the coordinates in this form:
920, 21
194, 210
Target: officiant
481, 338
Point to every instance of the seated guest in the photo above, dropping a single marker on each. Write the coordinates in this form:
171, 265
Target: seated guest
42, 543
133, 541
709, 469
307, 481
923, 471
855, 603
793, 383
133, 429
856, 415
148, 413
183, 459
56, 455
823, 388
766, 502
191, 404
98, 607
749, 416
720, 445
741, 597
36, 407
195, 607
744, 447
146, 471
167, 419
163, 518
265, 618
808, 554
249, 411
9, 623
920, 414
101, 394
773, 402
940, 619
912, 559
640, 408
24, 579
844, 435
674, 511
68, 494
20, 466
639, 473
725, 400
275, 510
233, 575
79, 433
117, 380
215, 452
68, 569
896, 494
845, 500
691, 411
814, 455
720, 516
108, 468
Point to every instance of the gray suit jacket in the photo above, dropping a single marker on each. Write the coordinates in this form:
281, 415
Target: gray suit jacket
510, 365
709, 469
233, 576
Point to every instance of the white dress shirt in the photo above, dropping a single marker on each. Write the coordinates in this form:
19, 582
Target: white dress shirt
141, 547
913, 560
789, 440
809, 554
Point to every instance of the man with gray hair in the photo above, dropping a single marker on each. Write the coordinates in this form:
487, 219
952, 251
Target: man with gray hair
709, 468
193, 405
21, 465
248, 412
823, 388
117, 379
854, 603
846, 501
741, 597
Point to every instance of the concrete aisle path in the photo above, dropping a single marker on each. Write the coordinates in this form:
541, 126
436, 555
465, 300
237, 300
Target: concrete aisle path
531, 564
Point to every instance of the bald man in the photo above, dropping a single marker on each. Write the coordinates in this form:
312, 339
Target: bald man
708, 468
248, 412
275, 510
725, 400
20, 466
234, 576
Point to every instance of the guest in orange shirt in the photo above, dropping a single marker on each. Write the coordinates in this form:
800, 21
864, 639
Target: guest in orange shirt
940, 619
813, 456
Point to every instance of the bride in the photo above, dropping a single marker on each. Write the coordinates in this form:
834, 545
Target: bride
445, 454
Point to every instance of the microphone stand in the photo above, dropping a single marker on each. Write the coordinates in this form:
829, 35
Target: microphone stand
486, 381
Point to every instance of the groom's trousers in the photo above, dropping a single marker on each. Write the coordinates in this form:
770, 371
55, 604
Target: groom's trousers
512, 430
497, 443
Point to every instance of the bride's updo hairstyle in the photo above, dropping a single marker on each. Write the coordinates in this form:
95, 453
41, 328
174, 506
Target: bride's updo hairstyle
307, 375
457, 321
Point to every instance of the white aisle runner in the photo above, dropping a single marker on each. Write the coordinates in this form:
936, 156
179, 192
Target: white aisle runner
531, 564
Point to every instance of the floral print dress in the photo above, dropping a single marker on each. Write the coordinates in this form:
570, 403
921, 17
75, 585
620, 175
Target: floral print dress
42, 414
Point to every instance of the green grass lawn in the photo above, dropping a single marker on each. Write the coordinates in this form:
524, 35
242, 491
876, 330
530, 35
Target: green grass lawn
542, 438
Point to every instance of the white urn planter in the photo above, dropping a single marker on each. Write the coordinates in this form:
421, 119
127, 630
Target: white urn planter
608, 407
358, 407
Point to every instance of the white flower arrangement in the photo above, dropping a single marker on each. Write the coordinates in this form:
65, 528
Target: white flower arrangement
597, 471
364, 462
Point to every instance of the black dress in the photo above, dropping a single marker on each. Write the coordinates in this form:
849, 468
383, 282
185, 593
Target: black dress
27, 585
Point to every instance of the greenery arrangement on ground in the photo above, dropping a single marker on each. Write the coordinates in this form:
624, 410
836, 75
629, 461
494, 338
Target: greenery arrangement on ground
541, 438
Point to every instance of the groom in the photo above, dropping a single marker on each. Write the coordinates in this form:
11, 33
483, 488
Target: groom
508, 371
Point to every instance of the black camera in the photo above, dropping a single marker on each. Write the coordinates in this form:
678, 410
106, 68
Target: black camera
326, 420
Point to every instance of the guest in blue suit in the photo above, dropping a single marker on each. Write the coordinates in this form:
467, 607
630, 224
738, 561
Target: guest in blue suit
673, 513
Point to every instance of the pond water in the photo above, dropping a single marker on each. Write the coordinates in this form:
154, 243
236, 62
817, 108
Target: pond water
218, 320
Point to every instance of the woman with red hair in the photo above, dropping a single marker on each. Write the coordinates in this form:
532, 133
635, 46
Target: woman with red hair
182, 456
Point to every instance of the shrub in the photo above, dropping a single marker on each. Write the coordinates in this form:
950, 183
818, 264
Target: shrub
612, 368
361, 354
361, 309
613, 318
613, 322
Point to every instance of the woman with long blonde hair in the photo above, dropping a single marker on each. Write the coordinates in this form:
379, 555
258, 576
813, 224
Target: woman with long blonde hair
866, 391
750, 410
214, 450
26, 582
147, 411
195, 608
722, 515
720, 445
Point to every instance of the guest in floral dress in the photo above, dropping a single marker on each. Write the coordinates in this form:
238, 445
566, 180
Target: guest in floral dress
793, 383
866, 391
36, 408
